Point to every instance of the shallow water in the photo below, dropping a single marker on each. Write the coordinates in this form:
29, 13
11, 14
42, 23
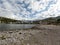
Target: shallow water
15, 26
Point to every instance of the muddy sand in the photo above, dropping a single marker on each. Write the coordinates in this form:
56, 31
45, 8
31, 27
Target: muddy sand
39, 35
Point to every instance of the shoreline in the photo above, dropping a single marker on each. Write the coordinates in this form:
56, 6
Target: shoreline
40, 35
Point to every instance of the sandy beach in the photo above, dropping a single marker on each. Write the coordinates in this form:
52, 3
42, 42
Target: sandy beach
38, 35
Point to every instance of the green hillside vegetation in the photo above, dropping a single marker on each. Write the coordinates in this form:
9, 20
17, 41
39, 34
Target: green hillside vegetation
8, 21
4, 20
51, 20
12, 21
54, 20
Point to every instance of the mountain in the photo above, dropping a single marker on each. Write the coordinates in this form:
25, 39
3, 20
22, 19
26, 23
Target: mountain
12, 21
6, 20
51, 20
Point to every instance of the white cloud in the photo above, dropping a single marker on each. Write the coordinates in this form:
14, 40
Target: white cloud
29, 9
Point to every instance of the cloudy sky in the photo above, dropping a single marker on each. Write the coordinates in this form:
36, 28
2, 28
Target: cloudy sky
29, 9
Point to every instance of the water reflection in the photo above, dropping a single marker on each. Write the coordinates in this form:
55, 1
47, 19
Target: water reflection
15, 26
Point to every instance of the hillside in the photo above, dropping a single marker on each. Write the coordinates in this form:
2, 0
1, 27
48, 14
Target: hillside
7, 20
12, 21
51, 20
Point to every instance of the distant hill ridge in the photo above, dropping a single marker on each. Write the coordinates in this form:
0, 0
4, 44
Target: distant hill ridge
51, 20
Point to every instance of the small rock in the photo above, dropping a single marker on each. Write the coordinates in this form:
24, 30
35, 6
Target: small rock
20, 33
10, 32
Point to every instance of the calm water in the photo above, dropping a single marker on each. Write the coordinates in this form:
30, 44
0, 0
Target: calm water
15, 26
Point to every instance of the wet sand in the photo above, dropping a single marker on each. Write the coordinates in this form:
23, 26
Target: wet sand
38, 35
